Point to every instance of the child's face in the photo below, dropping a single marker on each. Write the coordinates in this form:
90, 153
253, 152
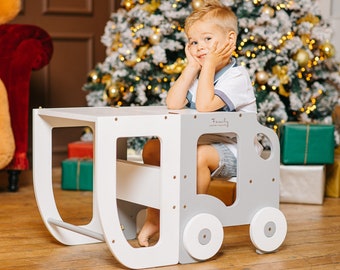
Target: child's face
202, 35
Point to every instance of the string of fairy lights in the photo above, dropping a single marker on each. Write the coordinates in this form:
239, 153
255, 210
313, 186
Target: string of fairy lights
302, 57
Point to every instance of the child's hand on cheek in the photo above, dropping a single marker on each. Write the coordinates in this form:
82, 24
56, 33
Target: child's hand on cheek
228, 50
191, 60
213, 55
219, 57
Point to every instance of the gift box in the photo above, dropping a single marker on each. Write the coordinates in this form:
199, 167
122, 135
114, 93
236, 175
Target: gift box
77, 174
306, 144
80, 149
302, 184
333, 176
223, 190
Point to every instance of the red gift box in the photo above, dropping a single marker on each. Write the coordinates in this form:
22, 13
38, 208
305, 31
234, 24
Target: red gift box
80, 149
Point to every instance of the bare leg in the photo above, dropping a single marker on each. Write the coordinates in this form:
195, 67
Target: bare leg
150, 227
151, 156
207, 161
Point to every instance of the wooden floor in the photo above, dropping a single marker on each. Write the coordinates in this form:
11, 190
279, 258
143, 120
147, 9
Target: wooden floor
313, 239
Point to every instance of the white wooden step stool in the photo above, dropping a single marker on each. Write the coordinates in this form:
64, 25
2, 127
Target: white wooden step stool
191, 227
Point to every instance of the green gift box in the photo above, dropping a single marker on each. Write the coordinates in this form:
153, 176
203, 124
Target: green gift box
77, 174
306, 144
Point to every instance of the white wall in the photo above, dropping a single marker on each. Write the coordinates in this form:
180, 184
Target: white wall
330, 9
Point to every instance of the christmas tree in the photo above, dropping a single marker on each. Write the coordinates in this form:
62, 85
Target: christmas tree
285, 45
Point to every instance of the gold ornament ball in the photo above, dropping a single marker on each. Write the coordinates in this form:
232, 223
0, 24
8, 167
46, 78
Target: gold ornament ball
197, 4
328, 49
128, 4
262, 77
155, 38
113, 92
268, 10
93, 77
302, 57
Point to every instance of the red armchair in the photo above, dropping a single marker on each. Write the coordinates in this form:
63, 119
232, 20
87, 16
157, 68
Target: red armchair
23, 48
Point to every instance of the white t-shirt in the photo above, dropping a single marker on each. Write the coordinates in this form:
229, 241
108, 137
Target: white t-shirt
233, 86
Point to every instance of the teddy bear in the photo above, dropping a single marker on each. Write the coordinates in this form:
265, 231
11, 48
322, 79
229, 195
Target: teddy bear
9, 9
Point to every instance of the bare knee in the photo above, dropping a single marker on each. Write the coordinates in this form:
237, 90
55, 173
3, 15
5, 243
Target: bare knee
207, 157
151, 152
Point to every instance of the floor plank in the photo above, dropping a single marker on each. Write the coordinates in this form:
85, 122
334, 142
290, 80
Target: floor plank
313, 239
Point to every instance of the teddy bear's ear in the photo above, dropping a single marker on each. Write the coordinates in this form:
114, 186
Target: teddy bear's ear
9, 9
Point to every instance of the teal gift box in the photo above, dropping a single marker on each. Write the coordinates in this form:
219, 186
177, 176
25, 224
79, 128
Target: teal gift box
306, 144
77, 174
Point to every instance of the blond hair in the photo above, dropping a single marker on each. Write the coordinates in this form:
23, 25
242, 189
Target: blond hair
216, 12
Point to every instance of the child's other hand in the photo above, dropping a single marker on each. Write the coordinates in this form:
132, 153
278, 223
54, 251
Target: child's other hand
219, 57
228, 50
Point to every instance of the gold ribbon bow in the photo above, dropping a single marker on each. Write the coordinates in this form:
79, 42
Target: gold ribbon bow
176, 68
281, 73
312, 19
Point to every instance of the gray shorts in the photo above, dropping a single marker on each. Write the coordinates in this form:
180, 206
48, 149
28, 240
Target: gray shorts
228, 164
